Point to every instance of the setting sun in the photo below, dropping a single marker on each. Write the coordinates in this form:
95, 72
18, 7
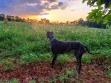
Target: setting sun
44, 16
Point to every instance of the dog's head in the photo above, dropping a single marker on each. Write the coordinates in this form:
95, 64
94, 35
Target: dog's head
49, 34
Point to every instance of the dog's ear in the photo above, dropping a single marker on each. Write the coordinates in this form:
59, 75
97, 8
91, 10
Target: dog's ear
48, 32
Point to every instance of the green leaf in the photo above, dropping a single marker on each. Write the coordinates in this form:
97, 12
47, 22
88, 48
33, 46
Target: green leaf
107, 18
83, 1
109, 7
89, 2
92, 14
99, 2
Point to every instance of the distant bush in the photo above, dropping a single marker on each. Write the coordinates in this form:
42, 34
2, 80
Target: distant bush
5, 21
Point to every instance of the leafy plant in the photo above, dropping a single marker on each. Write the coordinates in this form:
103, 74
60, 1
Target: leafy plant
9, 66
32, 81
70, 73
63, 78
33, 58
8, 63
86, 59
109, 74
53, 80
28, 58
14, 81
66, 77
62, 59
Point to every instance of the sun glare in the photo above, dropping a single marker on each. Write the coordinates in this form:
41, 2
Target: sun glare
44, 16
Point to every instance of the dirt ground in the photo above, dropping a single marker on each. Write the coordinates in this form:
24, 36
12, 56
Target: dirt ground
90, 73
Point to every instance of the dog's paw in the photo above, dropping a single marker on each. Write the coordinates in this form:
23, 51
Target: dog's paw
77, 76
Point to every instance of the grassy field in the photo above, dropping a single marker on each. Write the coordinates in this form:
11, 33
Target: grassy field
25, 43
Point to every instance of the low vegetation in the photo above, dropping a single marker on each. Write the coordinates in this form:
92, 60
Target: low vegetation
23, 43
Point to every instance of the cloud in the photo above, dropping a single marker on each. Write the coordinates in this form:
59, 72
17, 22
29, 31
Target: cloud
30, 7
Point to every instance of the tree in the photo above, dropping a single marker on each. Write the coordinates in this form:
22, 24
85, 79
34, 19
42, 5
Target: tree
80, 21
102, 12
2, 16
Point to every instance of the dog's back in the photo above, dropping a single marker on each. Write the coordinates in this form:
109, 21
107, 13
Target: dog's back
60, 47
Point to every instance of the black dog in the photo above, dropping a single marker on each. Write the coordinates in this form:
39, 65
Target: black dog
59, 47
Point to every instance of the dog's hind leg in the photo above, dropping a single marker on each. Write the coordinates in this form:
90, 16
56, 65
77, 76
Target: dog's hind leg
78, 55
54, 59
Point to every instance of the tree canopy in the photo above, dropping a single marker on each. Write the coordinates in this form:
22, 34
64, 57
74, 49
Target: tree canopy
102, 11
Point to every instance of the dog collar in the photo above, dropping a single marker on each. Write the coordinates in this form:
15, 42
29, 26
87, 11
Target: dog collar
52, 39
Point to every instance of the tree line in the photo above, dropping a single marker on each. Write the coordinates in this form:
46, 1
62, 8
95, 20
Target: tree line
12, 18
19, 19
88, 23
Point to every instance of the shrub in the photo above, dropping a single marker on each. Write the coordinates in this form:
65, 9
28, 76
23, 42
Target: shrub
5, 21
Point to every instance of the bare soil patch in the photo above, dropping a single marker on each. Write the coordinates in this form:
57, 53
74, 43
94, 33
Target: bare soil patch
90, 73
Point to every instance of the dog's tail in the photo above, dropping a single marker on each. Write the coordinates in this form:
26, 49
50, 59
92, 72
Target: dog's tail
87, 50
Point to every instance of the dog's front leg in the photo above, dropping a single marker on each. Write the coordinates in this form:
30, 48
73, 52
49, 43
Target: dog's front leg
54, 59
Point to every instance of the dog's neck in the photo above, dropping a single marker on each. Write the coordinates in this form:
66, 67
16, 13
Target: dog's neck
51, 38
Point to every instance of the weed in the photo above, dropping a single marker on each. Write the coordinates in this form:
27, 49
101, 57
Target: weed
53, 80
14, 81
67, 76
9, 66
64, 58
70, 73
8, 63
63, 78
32, 81
86, 59
28, 58
109, 74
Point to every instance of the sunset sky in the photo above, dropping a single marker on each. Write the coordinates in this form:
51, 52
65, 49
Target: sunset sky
54, 10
